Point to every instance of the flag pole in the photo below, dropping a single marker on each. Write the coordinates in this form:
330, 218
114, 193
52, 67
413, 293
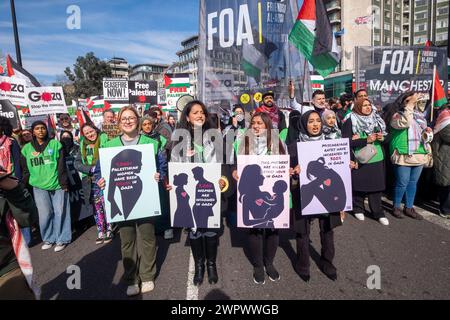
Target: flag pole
16, 33
432, 94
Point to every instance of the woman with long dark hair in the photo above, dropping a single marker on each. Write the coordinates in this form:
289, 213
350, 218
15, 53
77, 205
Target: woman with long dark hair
190, 143
262, 242
369, 179
409, 149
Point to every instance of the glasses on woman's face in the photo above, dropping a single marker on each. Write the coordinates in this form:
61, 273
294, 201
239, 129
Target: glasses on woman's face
129, 119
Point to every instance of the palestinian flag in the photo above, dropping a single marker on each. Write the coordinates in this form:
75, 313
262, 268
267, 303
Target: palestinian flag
255, 57
439, 93
253, 60
313, 37
14, 70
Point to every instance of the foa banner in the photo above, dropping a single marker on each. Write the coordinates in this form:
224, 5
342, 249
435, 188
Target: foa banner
387, 72
244, 51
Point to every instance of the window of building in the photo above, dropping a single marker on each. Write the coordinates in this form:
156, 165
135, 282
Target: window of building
397, 17
387, 26
376, 37
387, 40
442, 24
441, 36
397, 28
420, 27
421, 15
421, 3
387, 14
442, 11
397, 41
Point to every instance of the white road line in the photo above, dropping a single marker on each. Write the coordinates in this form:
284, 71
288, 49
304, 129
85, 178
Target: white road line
192, 291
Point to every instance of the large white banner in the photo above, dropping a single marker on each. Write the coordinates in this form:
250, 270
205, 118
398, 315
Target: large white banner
45, 100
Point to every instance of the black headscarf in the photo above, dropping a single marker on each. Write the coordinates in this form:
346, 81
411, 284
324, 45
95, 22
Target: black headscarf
304, 134
39, 147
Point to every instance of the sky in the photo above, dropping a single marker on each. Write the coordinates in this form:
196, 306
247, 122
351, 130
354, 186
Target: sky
141, 31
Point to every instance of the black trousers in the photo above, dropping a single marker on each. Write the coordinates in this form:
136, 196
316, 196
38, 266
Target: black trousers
327, 251
444, 199
374, 203
263, 245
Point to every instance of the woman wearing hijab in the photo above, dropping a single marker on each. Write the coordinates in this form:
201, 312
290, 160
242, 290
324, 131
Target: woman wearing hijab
369, 179
85, 162
44, 168
330, 126
309, 128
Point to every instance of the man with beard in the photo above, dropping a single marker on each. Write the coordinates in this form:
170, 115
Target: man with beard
319, 102
276, 115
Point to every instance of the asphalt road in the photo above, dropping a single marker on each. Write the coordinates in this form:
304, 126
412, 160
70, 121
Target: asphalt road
413, 257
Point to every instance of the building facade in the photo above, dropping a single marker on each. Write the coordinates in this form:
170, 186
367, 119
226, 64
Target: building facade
188, 61
119, 67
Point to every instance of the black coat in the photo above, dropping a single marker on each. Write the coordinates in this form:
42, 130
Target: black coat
299, 222
370, 177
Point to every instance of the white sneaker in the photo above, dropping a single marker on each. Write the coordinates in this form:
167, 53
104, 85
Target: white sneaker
46, 246
359, 216
133, 290
60, 247
168, 234
147, 286
384, 221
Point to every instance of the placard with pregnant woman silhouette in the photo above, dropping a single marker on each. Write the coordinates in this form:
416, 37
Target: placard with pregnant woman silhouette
195, 195
325, 177
263, 192
131, 190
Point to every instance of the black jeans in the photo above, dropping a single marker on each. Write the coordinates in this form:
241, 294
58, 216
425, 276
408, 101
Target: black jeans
374, 203
263, 245
327, 250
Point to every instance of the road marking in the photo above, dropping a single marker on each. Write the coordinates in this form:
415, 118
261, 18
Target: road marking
192, 291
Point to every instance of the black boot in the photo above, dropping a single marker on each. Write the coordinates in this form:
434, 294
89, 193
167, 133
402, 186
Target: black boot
211, 254
198, 253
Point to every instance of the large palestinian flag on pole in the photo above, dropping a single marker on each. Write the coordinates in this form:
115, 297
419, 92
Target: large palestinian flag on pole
313, 37
13, 69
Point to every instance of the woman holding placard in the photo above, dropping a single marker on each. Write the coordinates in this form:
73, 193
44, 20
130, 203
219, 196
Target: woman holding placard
139, 261
194, 146
308, 127
259, 141
369, 179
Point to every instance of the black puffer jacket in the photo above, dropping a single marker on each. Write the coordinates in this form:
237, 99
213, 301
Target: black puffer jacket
441, 157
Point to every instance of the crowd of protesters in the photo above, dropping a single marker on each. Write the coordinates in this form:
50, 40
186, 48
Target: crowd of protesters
399, 136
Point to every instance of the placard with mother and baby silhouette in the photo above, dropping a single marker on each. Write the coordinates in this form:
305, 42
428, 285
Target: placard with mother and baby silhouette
195, 195
263, 192
325, 176
131, 191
